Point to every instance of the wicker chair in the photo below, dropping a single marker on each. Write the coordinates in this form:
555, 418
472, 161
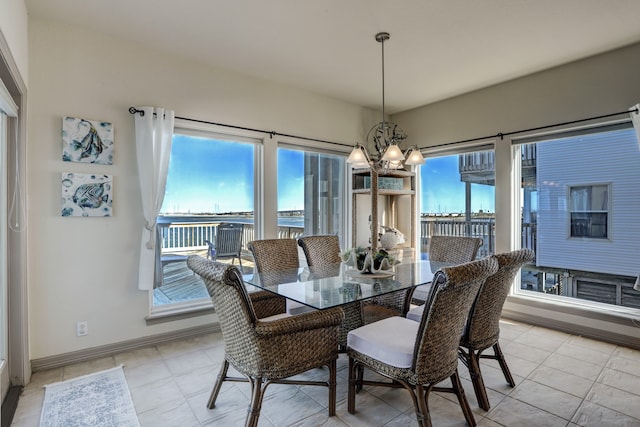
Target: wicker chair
267, 352
449, 249
321, 250
417, 356
483, 329
277, 261
323, 254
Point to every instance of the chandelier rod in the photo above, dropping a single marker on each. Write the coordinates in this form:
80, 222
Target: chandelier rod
381, 38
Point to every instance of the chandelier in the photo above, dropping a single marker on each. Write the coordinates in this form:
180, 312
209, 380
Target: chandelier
385, 137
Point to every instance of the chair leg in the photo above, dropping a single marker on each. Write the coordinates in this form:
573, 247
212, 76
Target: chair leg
333, 367
351, 391
464, 403
503, 364
257, 393
473, 362
421, 398
222, 375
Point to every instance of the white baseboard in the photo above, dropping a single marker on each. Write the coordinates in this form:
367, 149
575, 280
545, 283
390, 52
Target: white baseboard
61, 360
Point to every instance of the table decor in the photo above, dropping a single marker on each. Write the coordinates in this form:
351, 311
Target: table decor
366, 261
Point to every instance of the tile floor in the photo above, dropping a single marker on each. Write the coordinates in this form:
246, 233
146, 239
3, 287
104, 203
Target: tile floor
562, 380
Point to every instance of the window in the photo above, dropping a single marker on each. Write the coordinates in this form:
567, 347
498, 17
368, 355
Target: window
581, 199
210, 180
458, 198
589, 211
311, 192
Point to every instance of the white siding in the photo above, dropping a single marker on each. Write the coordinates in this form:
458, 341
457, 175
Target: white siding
607, 158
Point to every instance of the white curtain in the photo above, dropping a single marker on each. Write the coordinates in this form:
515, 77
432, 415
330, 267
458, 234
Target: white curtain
154, 131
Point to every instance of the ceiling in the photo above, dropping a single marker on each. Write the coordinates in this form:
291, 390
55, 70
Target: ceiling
438, 48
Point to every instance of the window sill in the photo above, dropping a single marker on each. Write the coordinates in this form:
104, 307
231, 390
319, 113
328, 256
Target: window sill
618, 325
172, 312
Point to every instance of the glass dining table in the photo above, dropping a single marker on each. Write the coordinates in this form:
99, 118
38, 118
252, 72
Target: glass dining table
337, 284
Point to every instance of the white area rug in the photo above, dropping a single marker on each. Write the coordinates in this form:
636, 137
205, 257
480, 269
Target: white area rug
99, 399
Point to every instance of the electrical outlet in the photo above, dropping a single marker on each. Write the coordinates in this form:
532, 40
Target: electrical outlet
81, 328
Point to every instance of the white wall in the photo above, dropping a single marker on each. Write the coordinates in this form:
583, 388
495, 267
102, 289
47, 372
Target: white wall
85, 268
13, 25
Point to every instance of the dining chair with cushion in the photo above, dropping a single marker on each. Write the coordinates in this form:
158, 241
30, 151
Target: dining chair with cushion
451, 250
418, 355
483, 326
228, 242
267, 351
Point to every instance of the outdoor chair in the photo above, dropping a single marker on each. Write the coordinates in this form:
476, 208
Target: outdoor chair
267, 351
228, 242
418, 355
449, 249
323, 257
483, 329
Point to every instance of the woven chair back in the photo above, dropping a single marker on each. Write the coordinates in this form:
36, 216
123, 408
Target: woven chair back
233, 307
443, 320
229, 240
276, 260
483, 327
320, 250
453, 249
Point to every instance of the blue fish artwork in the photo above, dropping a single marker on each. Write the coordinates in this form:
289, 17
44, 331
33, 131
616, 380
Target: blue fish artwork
90, 196
87, 141
86, 195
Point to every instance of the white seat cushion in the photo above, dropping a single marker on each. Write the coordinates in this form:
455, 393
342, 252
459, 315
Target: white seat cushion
415, 314
390, 340
421, 292
275, 317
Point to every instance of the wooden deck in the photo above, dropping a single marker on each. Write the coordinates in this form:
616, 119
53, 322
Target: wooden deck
180, 284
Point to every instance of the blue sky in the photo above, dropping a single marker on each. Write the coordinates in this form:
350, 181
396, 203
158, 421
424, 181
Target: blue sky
216, 177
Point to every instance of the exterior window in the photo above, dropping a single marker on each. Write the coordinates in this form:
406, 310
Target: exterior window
311, 193
586, 236
458, 198
210, 180
589, 211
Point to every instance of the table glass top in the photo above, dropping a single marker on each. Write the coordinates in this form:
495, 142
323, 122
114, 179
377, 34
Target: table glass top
337, 284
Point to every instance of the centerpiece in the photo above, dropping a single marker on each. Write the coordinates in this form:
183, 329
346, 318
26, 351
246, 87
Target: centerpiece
367, 261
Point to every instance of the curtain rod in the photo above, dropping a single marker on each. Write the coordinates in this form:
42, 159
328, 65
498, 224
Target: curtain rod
271, 133
502, 135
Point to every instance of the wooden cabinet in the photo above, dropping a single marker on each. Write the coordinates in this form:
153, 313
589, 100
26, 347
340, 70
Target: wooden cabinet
385, 199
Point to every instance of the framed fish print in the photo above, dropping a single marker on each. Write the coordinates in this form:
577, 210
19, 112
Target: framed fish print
87, 141
86, 194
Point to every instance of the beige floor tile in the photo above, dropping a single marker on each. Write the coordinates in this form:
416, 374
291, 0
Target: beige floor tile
622, 380
601, 346
84, 368
592, 415
573, 366
620, 362
562, 381
512, 412
559, 378
584, 353
145, 374
546, 398
180, 416
616, 399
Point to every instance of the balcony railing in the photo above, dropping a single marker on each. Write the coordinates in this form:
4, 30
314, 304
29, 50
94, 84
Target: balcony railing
190, 236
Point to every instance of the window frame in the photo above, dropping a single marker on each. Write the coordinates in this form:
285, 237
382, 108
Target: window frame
571, 210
